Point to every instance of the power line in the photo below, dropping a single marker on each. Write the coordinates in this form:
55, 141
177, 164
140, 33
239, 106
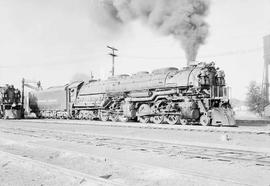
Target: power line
54, 62
85, 58
228, 53
235, 52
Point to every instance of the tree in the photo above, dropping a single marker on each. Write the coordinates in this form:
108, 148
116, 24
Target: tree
255, 98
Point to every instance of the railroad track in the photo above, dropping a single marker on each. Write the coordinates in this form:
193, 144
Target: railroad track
190, 128
30, 151
133, 166
176, 150
54, 169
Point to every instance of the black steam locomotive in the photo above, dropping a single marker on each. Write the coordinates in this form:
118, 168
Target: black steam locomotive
194, 94
10, 103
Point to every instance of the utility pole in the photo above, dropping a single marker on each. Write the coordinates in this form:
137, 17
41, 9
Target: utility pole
113, 56
266, 40
22, 109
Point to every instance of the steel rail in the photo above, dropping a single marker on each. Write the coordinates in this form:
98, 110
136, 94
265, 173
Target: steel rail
57, 169
189, 128
145, 145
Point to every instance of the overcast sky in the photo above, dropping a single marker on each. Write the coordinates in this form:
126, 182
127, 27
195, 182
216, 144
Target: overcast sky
51, 40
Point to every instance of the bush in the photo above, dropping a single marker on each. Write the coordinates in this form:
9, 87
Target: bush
255, 98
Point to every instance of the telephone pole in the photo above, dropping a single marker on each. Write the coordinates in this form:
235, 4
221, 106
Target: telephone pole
113, 56
266, 43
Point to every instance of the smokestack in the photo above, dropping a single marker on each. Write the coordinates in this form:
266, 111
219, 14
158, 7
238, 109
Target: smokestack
266, 44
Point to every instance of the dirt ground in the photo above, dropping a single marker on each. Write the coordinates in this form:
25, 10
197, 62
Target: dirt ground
34, 153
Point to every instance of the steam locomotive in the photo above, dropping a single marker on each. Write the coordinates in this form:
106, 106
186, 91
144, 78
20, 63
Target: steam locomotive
10, 102
194, 94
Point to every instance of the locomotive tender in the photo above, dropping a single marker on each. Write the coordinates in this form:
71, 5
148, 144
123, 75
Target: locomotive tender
194, 94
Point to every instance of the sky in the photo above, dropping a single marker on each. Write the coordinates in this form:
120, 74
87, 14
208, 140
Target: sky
53, 40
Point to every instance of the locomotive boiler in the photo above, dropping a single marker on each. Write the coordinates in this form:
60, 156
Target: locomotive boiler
194, 94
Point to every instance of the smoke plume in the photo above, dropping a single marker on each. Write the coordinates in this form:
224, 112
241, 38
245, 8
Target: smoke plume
80, 77
183, 19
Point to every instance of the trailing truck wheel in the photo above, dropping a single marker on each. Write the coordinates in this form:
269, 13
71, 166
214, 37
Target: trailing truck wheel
123, 118
204, 120
143, 111
114, 117
172, 119
144, 119
158, 119
183, 121
104, 117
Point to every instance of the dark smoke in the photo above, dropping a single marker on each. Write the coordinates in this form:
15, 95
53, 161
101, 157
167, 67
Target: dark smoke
184, 19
